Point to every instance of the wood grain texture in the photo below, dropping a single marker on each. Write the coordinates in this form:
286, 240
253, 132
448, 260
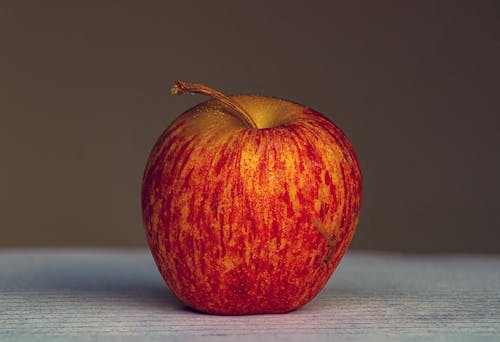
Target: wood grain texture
88, 294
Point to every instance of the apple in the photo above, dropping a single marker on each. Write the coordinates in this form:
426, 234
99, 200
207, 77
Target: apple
249, 203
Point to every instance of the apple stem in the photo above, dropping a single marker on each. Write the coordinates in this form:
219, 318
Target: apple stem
181, 87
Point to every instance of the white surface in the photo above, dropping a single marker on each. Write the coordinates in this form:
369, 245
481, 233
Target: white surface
55, 294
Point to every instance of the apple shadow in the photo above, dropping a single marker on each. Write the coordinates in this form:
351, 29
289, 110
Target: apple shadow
134, 282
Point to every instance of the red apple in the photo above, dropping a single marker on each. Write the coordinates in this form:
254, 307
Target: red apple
249, 203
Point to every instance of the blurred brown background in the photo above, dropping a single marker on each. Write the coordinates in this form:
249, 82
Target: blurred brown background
414, 84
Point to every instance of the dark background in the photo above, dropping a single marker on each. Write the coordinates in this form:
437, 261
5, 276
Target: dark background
84, 93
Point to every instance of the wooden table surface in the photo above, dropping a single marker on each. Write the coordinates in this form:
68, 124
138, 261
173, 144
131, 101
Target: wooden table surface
61, 294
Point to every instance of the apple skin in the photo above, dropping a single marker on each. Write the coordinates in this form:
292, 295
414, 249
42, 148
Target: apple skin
247, 221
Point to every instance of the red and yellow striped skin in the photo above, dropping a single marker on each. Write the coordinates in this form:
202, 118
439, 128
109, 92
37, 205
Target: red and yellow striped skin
247, 221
